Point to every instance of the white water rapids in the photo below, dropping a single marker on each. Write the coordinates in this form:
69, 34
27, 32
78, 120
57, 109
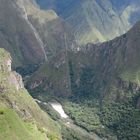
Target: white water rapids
58, 107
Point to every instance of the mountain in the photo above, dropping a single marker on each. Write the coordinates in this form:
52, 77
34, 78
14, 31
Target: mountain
117, 61
128, 7
109, 60
95, 84
31, 35
96, 20
104, 77
20, 116
16, 35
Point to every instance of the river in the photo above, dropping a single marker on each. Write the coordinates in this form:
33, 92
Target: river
58, 107
67, 120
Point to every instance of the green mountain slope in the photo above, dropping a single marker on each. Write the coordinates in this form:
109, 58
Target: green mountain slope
12, 127
20, 116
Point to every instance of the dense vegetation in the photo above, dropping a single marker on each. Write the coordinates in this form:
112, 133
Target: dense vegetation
112, 120
83, 115
86, 114
123, 119
116, 120
84, 87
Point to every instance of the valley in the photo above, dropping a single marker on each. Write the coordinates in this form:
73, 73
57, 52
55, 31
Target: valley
103, 88
67, 121
69, 70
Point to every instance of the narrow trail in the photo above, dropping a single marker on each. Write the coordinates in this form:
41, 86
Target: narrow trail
67, 121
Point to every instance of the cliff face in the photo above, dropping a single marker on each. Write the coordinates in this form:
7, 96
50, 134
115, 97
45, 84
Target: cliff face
14, 78
21, 117
96, 20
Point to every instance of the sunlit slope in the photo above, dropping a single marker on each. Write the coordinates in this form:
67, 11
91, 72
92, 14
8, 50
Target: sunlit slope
96, 20
20, 116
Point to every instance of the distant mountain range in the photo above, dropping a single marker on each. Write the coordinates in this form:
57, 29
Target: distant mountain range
32, 35
96, 20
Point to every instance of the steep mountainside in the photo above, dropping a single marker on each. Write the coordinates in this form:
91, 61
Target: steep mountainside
96, 20
110, 79
104, 76
118, 60
20, 116
17, 36
53, 31
109, 60
31, 35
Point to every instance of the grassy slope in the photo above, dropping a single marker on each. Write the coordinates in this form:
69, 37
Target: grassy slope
13, 127
20, 116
